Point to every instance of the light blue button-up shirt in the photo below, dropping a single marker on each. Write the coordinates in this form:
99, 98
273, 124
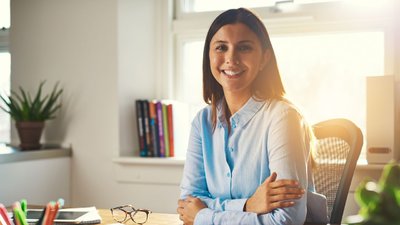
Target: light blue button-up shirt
224, 169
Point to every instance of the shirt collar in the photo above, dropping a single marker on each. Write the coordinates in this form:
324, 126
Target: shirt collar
241, 117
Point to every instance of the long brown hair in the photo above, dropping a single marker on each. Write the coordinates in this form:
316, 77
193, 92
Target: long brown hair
268, 84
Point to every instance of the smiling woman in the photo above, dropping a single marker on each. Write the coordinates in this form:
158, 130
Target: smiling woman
230, 178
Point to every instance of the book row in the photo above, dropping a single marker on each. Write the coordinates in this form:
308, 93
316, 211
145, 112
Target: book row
155, 128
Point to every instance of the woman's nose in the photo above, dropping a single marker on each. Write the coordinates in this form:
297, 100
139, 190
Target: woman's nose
232, 58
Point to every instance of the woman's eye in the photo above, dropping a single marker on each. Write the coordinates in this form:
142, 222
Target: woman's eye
244, 48
221, 48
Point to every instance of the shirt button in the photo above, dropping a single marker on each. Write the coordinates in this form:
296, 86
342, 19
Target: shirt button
228, 174
231, 149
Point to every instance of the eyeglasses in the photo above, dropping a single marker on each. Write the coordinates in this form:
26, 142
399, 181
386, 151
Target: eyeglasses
138, 216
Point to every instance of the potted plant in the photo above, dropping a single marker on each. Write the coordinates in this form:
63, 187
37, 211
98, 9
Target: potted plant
31, 113
379, 202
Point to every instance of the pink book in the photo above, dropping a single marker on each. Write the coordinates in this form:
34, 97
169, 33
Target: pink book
160, 128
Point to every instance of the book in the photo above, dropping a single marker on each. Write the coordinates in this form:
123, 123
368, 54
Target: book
154, 129
160, 128
170, 130
140, 128
147, 131
166, 131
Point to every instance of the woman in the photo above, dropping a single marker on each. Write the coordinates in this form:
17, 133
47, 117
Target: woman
248, 154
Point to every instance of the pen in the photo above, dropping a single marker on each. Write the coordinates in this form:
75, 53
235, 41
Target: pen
4, 214
2, 221
41, 218
52, 213
47, 214
24, 206
15, 217
19, 216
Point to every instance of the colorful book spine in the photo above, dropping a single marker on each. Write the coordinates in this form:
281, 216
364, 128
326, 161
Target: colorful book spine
166, 132
170, 130
154, 128
140, 128
160, 128
147, 131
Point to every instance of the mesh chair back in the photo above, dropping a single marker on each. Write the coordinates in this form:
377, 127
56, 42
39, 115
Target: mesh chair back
337, 149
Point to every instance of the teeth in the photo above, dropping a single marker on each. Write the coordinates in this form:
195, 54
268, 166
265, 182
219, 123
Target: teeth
231, 72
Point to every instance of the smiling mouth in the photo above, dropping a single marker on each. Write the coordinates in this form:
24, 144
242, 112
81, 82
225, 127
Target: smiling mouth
232, 73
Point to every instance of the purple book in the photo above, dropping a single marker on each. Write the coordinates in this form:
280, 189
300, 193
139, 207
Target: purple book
160, 128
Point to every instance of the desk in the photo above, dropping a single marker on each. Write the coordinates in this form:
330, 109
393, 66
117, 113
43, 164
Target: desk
158, 219
154, 218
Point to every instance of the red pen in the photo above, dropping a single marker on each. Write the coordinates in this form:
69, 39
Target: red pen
46, 214
53, 213
4, 214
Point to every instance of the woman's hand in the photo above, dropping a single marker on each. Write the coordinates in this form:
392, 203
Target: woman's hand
189, 208
273, 194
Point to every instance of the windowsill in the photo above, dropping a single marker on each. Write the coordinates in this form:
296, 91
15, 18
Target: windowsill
168, 171
9, 154
164, 171
361, 164
150, 161
364, 165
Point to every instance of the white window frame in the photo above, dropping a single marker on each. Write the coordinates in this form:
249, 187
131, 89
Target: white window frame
5, 47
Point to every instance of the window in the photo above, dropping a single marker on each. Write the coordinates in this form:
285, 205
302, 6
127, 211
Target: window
325, 74
4, 13
323, 60
212, 5
5, 66
5, 63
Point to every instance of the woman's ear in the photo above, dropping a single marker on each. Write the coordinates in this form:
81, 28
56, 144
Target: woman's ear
265, 58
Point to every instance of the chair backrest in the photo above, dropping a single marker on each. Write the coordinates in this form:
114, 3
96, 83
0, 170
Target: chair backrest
337, 149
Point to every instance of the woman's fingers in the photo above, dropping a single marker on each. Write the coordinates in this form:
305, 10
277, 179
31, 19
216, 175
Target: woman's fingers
277, 205
270, 179
286, 190
284, 197
283, 183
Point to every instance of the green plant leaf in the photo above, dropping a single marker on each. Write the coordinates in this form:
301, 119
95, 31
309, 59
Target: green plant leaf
22, 107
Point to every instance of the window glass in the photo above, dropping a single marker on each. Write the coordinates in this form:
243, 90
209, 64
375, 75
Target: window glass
324, 74
4, 13
5, 64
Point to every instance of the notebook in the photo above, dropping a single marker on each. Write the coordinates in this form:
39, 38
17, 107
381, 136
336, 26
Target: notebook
85, 215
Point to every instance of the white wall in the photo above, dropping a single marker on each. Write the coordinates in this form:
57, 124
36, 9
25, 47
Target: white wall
38, 181
73, 42
102, 52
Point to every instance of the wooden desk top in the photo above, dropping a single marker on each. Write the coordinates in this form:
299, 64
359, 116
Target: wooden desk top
154, 218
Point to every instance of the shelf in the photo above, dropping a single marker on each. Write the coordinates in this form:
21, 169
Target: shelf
10, 154
173, 161
364, 165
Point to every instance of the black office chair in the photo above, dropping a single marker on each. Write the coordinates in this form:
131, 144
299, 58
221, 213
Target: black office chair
337, 148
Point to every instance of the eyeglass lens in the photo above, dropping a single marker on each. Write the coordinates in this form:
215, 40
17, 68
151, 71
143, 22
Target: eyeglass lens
139, 217
119, 215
